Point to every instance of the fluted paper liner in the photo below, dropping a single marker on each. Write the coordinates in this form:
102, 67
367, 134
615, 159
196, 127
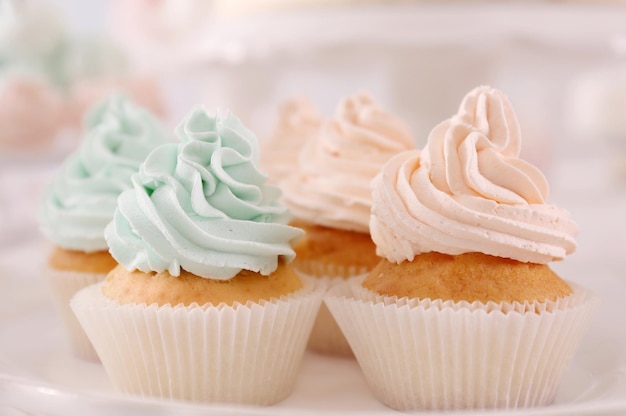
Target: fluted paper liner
63, 285
326, 336
418, 355
248, 354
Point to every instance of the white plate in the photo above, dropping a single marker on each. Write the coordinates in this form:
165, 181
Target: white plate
39, 376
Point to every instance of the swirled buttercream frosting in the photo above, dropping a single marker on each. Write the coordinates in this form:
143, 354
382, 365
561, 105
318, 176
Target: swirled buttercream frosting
468, 191
331, 186
202, 205
298, 122
81, 200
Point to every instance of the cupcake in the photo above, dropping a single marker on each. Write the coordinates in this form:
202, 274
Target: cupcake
330, 198
81, 200
144, 91
30, 111
463, 310
203, 298
298, 122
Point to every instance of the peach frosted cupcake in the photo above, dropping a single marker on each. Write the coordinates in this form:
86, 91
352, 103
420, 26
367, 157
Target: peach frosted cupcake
207, 306
81, 200
330, 198
463, 311
298, 122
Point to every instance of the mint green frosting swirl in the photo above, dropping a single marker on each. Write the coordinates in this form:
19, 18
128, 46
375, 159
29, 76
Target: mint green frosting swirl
81, 200
202, 205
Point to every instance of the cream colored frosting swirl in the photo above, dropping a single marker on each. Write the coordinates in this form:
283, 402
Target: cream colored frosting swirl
468, 191
331, 186
298, 122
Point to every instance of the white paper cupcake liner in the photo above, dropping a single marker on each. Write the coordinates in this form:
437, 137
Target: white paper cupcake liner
248, 354
63, 285
326, 336
423, 355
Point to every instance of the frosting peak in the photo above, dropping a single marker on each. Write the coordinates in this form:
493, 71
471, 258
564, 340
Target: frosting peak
298, 122
362, 114
331, 186
202, 205
468, 191
80, 201
476, 152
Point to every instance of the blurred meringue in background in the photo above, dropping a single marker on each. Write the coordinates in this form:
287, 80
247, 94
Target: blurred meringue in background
31, 111
50, 76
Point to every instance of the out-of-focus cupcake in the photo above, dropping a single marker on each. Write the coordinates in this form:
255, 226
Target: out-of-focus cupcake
207, 306
298, 122
30, 113
81, 200
33, 35
84, 93
463, 310
330, 197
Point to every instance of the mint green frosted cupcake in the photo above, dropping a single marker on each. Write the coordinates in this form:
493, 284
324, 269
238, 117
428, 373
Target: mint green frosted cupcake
204, 298
80, 201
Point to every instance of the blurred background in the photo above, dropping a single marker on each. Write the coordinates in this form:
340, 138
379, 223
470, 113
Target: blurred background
561, 63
